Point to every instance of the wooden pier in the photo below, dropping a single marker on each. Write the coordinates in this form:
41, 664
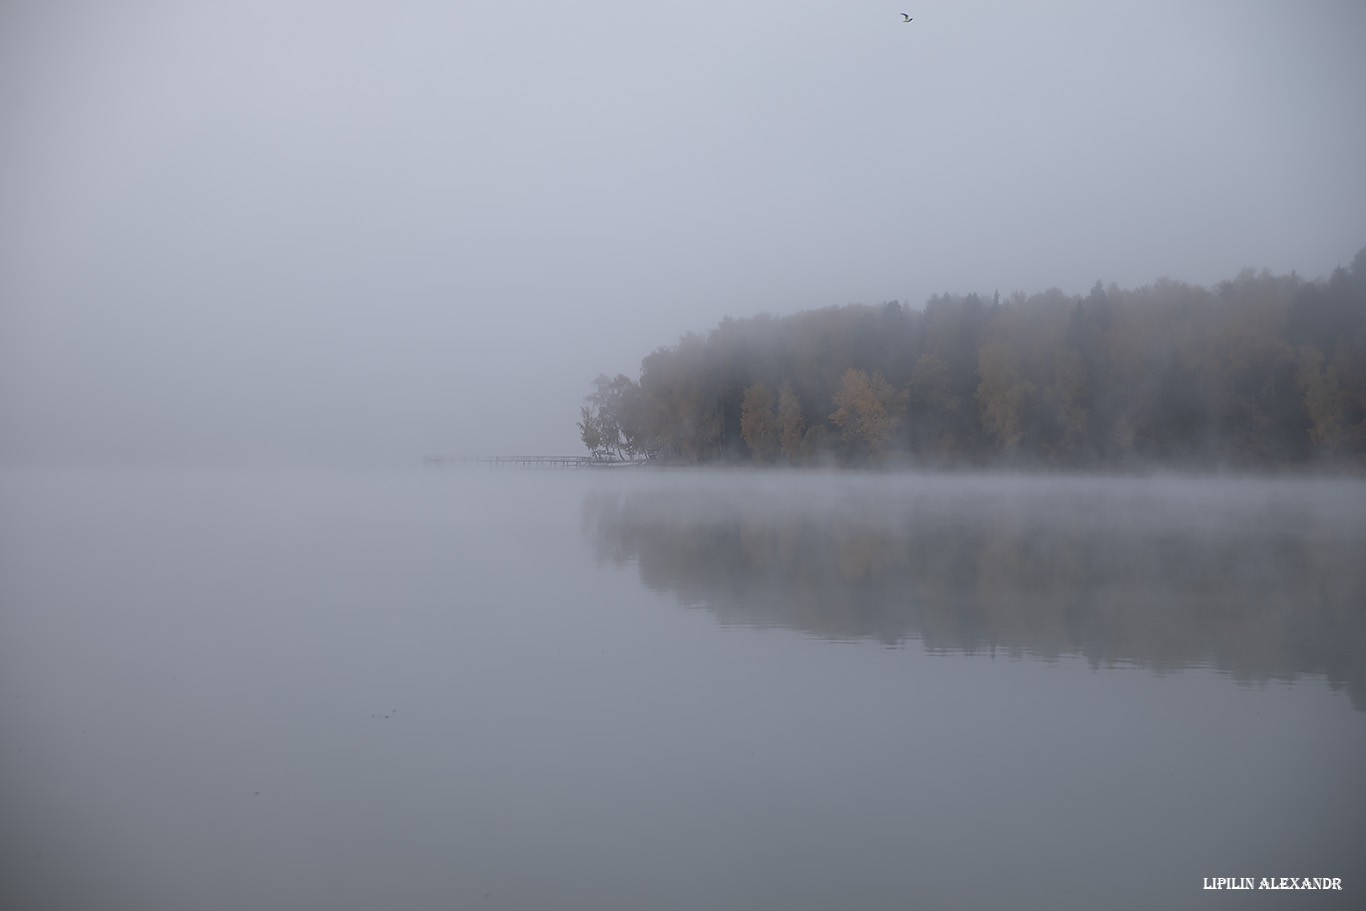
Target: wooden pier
536, 461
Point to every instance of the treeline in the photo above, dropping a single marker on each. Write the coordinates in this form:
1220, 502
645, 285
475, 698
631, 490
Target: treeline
1261, 370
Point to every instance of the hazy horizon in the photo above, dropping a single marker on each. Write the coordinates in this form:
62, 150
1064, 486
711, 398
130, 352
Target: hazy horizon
337, 234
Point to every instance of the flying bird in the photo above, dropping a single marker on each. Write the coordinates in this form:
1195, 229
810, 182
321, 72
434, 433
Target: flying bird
906, 17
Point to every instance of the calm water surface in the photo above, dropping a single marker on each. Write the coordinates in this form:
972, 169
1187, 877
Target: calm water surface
632, 690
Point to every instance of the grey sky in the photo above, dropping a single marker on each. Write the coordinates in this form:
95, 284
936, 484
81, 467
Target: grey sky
355, 232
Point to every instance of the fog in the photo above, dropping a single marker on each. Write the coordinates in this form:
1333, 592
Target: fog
344, 234
257, 259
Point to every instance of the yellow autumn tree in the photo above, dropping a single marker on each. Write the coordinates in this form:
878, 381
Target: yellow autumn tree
869, 409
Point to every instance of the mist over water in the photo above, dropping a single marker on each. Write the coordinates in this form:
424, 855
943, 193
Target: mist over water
492, 688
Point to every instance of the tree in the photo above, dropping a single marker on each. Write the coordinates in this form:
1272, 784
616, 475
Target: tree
1003, 395
611, 417
1321, 397
791, 423
759, 422
931, 404
869, 409
589, 430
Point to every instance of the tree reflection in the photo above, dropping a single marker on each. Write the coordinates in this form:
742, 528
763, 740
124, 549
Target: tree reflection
1262, 582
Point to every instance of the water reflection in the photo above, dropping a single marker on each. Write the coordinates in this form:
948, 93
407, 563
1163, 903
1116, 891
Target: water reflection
1260, 579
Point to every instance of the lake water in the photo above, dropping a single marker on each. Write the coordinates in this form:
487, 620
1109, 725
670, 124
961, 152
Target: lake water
516, 689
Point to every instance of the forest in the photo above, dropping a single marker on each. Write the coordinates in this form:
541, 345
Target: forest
1259, 371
